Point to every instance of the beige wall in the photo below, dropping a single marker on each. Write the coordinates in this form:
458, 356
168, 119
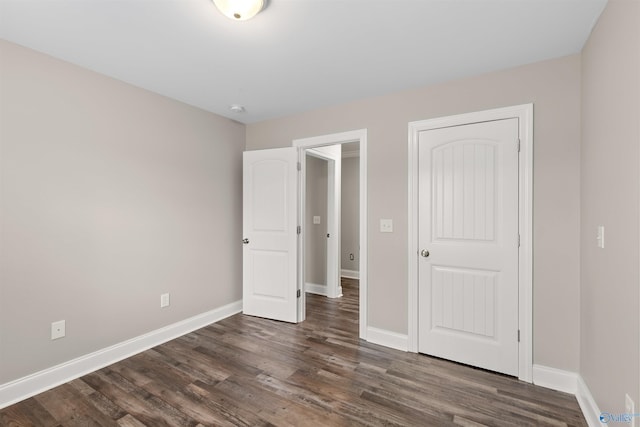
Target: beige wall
316, 205
110, 196
610, 191
554, 87
350, 214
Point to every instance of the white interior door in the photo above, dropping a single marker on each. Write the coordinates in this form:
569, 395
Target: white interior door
468, 240
270, 222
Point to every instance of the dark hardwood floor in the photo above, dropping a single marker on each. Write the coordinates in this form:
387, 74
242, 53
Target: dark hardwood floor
246, 371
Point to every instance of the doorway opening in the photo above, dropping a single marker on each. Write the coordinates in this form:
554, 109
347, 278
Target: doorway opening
323, 156
323, 173
332, 218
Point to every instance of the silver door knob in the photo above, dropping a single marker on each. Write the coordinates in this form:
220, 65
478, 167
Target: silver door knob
424, 253
245, 241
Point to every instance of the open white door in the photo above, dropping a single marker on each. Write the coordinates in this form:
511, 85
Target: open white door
270, 223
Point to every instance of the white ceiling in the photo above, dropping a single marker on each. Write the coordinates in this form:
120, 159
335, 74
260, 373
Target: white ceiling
296, 55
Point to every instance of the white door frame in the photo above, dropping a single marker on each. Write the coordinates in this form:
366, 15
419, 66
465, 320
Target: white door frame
360, 136
334, 183
524, 114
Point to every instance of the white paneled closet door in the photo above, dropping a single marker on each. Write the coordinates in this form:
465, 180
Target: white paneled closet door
468, 237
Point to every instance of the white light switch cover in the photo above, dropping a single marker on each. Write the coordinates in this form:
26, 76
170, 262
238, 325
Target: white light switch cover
164, 300
386, 226
600, 236
316, 220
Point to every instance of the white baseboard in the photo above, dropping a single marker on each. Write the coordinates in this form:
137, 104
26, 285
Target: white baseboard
388, 338
569, 382
350, 274
23, 388
314, 288
587, 404
556, 379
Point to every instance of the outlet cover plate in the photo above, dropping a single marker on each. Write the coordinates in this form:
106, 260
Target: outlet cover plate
58, 329
386, 226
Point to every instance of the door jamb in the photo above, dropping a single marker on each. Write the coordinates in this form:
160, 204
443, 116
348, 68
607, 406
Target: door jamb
524, 114
360, 136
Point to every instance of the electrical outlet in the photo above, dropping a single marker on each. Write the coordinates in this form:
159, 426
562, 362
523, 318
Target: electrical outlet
164, 300
630, 408
386, 226
58, 329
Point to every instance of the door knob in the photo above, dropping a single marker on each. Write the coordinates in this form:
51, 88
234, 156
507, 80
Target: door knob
245, 241
424, 253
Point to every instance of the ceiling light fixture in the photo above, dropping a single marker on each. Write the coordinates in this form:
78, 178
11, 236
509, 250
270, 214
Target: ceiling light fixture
239, 10
237, 108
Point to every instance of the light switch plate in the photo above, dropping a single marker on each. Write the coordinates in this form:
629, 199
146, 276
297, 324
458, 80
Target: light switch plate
316, 219
164, 300
386, 226
600, 236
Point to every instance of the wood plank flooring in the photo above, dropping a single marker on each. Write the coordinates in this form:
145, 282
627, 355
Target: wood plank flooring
246, 371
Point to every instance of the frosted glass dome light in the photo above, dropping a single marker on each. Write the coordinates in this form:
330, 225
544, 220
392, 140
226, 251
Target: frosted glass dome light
239, 10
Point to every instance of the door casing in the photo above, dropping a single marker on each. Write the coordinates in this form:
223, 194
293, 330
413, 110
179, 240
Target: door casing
524, 114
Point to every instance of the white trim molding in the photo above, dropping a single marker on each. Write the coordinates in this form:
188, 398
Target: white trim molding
387, 338
47, 379
315, 288
524, 114
572, 383
555, 379
350, 274
588, 404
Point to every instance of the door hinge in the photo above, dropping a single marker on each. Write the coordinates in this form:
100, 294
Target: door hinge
518, 335
299, 230
299, 166
518, 240
298, 293
328, 235
518, 145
